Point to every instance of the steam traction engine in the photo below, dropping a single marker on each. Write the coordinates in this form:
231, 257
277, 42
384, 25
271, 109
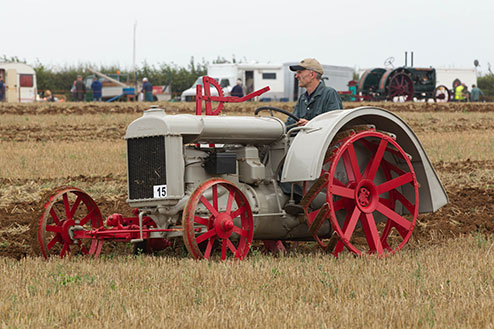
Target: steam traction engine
401, 84
349, 178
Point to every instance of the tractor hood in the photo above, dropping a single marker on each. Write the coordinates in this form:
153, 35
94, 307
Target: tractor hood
207, 129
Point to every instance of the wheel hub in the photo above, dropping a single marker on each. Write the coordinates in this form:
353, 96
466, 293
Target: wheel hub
366, 196
66, 226
224, 225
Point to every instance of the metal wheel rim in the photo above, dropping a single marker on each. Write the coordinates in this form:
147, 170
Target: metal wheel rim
217, 220
52, 221
377, 241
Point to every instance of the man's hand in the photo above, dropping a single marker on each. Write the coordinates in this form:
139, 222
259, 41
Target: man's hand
302, 122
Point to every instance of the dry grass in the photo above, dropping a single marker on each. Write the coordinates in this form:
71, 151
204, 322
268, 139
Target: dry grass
424, 288
55, 120
458, 145
52, 159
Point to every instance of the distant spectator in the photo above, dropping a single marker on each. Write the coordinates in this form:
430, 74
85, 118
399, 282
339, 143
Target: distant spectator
147, 90
48, 96
460, 93
97, 87
80, 89
475, 94
237, 90
2, 90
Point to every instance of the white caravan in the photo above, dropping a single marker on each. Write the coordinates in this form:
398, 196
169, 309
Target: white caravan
281, 81
448, 77
20, 82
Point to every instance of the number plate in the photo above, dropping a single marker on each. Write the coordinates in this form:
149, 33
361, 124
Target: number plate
159, 191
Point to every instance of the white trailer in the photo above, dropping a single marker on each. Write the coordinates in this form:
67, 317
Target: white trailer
448, 76
20, 82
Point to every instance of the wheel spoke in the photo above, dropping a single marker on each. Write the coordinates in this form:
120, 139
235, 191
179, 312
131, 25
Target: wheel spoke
230, 202
232, 248
394, 183
354, 162
53, 241
74, 206
338, 205
209, 247
223, 249
200, 220
208, 205
54, 216
338, 248
237, 212
394, 168
89, 216
351, 166
215, 196
342, 191
376, 160
65, 249
240, 231
350, 224
205, 236
54, 228
404, 201
66, 205
370, 229
399, 220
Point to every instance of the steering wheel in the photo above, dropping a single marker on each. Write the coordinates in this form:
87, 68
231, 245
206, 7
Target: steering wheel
277, 109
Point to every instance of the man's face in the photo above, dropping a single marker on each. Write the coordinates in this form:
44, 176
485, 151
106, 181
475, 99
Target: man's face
304, 77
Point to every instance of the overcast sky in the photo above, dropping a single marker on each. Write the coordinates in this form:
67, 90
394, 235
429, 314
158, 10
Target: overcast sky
354, 33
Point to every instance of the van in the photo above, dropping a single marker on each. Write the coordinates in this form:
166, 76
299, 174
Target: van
189, 95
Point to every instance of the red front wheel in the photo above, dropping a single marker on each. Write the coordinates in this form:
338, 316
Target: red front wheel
217, 219
67, 210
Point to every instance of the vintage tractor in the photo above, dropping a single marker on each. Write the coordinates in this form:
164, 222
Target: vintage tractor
354, 179
402, 84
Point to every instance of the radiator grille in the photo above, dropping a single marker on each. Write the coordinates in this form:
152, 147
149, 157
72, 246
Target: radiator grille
146, 165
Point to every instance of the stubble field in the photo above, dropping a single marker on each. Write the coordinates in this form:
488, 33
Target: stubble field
444, 273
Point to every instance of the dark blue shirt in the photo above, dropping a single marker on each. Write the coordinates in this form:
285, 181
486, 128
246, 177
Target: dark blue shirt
237, 91
96, 86
147, 86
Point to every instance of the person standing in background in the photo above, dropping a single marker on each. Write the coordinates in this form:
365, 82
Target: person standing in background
237, 90
97, 87
147, 90
80, 89
475, 94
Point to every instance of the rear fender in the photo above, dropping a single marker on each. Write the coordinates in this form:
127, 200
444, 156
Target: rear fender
305, 155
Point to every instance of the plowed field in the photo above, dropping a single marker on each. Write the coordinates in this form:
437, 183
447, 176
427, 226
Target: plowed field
458, 138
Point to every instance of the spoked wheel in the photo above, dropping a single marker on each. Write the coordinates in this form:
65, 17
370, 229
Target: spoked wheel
400, 88
371, 187
441, 94
217, 216
314, 195
68, 209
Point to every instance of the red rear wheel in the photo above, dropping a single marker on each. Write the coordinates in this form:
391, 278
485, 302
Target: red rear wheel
372, 194
67, 210
217, 219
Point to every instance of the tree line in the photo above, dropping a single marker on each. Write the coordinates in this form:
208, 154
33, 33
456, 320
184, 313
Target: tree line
60, 79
